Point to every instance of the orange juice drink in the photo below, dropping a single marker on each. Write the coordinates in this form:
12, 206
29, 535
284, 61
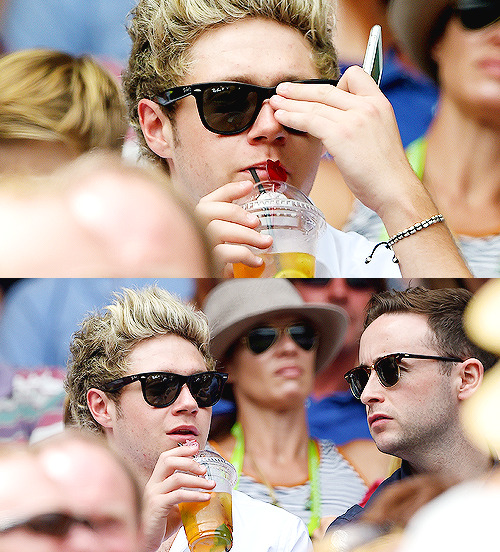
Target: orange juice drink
279, 265
209, 525
295, 225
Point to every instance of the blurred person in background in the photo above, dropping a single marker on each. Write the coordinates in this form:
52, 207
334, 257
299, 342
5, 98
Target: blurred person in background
54, 107
381, 526
99, 216
457, 43
67, 493
418, 368
333, 412
272, 343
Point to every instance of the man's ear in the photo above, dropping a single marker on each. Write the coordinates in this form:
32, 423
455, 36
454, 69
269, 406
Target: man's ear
156, 128
101, 407
470, 377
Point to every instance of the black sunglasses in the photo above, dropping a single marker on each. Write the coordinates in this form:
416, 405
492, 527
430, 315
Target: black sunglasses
387, 369
227, 107
353, 283
476, 14
161, 389
54, 524
260, 339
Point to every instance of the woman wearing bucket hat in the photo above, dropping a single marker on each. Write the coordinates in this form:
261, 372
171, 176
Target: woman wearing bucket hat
271, 343
457, 43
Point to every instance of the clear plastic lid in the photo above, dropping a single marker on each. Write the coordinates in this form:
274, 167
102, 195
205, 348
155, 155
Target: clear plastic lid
277, 203
217, 466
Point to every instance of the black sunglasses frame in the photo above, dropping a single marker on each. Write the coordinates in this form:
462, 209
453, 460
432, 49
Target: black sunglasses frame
54, 524
354, 381
177, 382
278, 333
172, 95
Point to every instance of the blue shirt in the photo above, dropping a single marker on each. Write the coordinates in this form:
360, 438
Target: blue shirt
339, 417
355, 511
413, 96
94, 27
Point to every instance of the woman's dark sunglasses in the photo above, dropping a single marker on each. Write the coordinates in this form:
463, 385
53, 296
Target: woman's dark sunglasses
54, 524
161, 389
477, 14
387, 369
262, 338
227, 107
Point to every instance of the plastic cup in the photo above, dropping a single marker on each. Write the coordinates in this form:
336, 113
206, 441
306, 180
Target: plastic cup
209, 525
295, 224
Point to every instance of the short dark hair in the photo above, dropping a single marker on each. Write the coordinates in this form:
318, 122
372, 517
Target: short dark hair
444, 309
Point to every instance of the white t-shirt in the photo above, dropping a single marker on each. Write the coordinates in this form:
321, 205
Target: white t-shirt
259, 527
342, 255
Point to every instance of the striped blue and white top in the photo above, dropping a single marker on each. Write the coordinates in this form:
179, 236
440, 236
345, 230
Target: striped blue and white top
340, 487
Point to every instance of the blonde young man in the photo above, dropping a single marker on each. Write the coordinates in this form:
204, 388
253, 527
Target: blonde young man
209, 136
140, 373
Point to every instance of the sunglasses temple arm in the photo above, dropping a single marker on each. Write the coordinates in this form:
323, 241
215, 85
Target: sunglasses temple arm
174, 95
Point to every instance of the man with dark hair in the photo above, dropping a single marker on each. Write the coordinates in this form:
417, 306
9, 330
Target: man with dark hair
332, 411
417, 369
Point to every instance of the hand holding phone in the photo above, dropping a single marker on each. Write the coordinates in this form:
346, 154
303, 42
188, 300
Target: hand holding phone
373, 62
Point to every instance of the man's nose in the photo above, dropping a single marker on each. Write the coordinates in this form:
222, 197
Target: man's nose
373, 391
266, 128
185, 400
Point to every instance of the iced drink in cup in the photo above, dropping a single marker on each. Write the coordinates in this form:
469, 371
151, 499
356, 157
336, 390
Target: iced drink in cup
209, 525
295, 224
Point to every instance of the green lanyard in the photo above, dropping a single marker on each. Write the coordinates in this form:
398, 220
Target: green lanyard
312, 464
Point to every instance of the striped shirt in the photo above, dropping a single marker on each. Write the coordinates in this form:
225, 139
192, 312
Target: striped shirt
482, 254
340, 487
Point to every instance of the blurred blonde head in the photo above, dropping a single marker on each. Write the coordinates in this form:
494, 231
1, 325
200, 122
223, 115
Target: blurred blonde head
51, 96
99, 216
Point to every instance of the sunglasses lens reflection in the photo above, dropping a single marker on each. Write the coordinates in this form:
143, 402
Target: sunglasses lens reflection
162, 391
260, 339
229, 108
387, 370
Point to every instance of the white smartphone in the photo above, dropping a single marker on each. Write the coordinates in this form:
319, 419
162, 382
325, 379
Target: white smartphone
373, 62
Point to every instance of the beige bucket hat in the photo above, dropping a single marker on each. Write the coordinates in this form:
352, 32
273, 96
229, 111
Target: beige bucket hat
235, 306
412, 22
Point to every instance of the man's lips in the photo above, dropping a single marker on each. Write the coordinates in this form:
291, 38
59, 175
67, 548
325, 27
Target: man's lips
260, 169
184, 431
374, 418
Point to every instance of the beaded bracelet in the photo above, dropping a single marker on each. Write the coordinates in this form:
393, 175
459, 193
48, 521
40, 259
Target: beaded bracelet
404, 234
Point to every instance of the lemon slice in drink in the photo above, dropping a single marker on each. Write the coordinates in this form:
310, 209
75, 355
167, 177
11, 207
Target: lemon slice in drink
290, 273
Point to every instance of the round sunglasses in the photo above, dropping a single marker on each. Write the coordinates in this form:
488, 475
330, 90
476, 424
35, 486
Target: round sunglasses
227, 107
387, 369
260, 339
161, 389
